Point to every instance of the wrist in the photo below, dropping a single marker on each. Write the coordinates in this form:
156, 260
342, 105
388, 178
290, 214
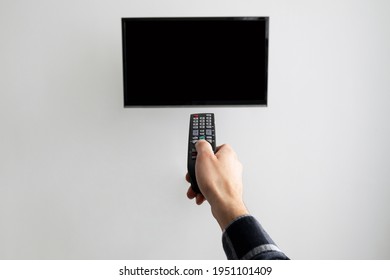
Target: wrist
226, 214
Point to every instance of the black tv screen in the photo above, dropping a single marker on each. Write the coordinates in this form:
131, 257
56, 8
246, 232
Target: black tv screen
195, 61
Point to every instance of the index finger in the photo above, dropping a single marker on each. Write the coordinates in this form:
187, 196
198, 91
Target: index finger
225, 150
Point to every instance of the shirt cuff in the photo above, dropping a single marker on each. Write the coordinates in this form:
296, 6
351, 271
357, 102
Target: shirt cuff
245, 239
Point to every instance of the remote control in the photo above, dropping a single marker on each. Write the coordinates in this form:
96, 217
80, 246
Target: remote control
202, 126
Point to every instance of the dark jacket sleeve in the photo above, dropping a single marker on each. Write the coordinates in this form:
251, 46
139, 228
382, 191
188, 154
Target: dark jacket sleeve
245, 239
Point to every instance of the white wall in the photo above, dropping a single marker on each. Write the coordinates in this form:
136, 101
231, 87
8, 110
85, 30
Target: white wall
83, 178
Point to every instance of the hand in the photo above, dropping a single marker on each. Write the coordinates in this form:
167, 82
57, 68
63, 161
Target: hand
219, 178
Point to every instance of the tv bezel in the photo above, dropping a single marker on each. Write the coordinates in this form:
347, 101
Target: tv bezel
198, 103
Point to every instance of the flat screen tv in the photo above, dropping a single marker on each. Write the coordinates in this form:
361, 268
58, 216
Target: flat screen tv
190, 61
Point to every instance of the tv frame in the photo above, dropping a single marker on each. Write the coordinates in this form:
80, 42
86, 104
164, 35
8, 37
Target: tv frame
207, 103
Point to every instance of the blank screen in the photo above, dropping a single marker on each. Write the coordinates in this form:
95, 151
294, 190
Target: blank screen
195, 61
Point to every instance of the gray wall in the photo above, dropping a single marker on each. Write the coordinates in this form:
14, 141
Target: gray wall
82, 177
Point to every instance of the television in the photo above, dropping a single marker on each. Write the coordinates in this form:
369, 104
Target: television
192, 61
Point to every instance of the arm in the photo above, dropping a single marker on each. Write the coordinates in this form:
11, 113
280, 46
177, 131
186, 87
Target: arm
219, 178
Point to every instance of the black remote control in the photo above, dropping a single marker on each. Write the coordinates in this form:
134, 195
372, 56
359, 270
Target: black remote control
202, 126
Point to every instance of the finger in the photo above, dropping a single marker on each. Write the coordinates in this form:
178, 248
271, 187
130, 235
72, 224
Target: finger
225, 150
190, 193
188, 178
218, 147
202, 146
200, 199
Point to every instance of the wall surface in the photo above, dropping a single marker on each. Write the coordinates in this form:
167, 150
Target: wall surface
83, 178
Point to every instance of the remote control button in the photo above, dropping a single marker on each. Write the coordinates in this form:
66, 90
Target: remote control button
202, 137
195, 132
209, 132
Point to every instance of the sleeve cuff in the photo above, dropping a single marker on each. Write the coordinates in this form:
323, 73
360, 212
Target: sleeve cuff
245, 239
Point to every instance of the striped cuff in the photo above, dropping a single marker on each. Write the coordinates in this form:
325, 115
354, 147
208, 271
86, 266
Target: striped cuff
245, 239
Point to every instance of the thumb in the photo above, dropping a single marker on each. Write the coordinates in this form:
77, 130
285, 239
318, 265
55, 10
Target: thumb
203, 147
